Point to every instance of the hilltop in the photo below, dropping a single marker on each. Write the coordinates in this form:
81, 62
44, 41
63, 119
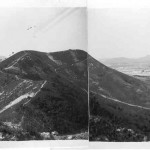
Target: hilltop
45, 92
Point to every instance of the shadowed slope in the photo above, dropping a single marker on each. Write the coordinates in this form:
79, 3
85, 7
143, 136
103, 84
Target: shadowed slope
44, 92
119, 105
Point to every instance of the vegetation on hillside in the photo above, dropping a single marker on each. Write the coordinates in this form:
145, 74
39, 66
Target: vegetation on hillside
108, 122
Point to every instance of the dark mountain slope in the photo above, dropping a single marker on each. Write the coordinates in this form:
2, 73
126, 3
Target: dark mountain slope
45, 92
39, 65
115, 84
119, 105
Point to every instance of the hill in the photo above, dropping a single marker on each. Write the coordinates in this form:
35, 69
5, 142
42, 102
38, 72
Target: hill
44, 92
119, 105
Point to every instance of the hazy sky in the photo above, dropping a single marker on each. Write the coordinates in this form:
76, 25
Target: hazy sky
119, 32
43, 29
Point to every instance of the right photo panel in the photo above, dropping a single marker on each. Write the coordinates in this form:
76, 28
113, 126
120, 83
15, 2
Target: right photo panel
119, 74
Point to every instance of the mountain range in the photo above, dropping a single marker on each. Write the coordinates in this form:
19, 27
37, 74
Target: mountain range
131, 66
45, 96
123, 61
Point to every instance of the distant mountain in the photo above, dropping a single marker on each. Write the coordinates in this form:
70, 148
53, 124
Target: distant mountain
2, 58
44, 92
130, 66
122, 61
119, 105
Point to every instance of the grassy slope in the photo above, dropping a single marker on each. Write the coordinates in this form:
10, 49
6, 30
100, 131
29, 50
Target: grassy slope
61, 104
108, 116
118, 85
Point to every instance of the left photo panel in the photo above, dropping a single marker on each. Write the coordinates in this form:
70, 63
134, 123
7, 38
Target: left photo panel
43, 74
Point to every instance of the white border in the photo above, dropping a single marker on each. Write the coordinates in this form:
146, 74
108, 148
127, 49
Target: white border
45, 144
118, 3
119, 145
43, 3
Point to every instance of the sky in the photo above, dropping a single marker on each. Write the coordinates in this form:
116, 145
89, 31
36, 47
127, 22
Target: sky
42, 29
118, 32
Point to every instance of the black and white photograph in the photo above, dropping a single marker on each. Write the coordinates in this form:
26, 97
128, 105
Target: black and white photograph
43, 74
119, 74
74, 74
